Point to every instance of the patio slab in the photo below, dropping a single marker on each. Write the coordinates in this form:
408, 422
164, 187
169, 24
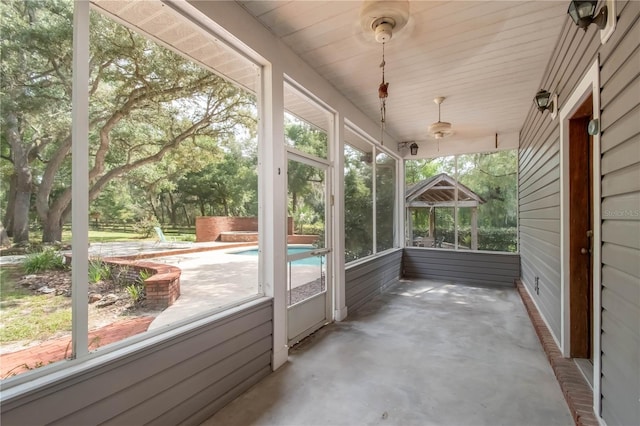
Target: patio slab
423, 353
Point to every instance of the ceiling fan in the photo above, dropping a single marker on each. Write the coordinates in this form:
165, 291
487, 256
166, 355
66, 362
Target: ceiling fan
440, 129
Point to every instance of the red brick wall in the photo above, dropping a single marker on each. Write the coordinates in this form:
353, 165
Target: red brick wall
302, 239
209, 228
239, 237
162, 288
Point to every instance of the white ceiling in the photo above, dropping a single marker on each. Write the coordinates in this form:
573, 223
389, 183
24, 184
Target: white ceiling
486, 57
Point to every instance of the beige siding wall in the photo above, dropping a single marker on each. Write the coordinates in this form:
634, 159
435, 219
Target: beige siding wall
179, 380
620, 189
366, 280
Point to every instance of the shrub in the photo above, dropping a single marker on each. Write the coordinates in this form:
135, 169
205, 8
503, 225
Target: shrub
46, 260
98, 271
143, 275
145, 227
136, 292
493, 239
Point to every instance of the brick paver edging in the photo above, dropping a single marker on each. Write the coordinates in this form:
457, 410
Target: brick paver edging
58, 349
576, 390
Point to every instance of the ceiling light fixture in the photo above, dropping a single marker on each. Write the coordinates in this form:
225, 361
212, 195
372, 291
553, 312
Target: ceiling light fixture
383, 17
583, 14
383, 94
440, 129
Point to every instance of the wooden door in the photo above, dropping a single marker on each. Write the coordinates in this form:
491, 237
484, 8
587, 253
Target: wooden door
581, 232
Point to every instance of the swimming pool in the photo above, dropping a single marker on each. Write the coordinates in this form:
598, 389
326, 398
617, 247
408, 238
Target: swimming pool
309, 261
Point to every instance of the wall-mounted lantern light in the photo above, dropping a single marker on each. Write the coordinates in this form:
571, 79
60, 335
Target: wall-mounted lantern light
547, 101
583, 14
413, 148
544, 101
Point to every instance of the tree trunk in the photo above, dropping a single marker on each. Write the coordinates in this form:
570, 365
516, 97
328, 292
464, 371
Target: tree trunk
56, 216
23, 179
4, 238
52, 228
173, 210
186, 215
11, 202
21, 217
153, 208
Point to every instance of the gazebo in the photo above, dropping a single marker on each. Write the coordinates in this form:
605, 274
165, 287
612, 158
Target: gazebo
440, 191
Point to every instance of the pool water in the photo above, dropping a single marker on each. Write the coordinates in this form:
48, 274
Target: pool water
309, 261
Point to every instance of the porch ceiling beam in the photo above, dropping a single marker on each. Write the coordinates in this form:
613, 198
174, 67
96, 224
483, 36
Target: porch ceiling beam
442, 204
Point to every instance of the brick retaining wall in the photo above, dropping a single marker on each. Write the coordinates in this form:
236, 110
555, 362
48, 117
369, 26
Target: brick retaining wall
162, 288
209, 228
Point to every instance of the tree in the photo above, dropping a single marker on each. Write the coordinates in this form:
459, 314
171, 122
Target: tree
4, 238
34, 89
358, 202
226, 186
385, 201
145, 102
306, 182
493, 176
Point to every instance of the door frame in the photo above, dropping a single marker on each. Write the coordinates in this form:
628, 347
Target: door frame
589, 85
293, 154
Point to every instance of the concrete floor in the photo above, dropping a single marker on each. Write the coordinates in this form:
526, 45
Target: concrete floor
423, 353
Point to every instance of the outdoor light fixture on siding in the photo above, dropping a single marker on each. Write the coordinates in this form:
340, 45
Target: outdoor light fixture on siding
413, 147
544, 101
547, 101
583, 14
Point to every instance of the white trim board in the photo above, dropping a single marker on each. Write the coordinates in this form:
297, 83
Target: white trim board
589, 85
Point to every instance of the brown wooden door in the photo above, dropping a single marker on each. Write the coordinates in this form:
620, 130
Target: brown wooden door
581, 232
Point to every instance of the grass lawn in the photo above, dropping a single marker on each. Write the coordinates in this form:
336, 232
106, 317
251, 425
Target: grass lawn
25, 316
112, 236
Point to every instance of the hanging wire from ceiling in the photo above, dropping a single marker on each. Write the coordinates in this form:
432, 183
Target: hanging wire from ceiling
383, 93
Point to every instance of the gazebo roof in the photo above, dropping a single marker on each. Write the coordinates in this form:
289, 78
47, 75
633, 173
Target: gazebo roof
439, 191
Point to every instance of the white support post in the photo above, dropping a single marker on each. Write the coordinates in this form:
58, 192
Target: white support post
474, 228
340, 302
80, 180
273, 202
455, 207
400, 215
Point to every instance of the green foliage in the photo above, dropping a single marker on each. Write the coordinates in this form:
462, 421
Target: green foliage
493, 177
146, 227
46, 260
492, 239
98, 271
29, 317
143, 275
358, 200
305, 137
225, 187
147, 103
136, 292
385, 201
305, 182
498, 239
9, 292
186, 238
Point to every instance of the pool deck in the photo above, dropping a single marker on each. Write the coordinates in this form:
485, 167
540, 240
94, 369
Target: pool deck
211, 276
